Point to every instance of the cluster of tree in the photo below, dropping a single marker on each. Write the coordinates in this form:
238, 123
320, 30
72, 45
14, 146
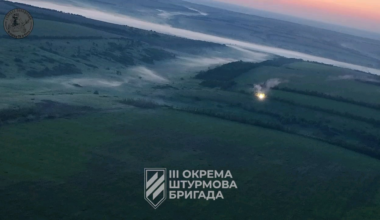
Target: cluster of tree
326, 96
121, 47
226, 72
371, 121
61, 69
153, 54
140, 103
43, 37
43, 60
280, 61
90, 65
327, 130
14, 114
124, 58
223, 76
230, 71
364, 141
225, 85
177, 43
50, 50
375, 83
151, 37
367, 146
167, 86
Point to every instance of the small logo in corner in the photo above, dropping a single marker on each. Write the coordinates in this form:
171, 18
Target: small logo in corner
18, 23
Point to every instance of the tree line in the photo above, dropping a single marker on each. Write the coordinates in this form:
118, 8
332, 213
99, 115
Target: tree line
331, 97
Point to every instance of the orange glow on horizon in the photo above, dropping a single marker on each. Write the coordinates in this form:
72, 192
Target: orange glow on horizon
359, 13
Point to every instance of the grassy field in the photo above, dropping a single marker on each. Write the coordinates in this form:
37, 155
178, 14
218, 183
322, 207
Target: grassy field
91, 167
82, 115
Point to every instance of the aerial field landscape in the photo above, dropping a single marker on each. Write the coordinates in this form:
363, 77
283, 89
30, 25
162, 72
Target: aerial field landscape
86, 105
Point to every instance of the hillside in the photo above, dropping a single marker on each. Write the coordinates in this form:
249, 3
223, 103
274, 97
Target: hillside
60, 40
85, 106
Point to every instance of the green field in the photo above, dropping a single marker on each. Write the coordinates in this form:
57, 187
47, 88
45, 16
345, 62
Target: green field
85, 106
85, 167
293, 156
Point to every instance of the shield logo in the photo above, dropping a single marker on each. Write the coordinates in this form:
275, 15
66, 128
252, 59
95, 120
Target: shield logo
155, 186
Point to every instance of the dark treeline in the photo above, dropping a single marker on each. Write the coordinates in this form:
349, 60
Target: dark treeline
35, 37
359, 148
44, 109
140, 103
371, 121
215, 84
154, 54
230, 71
122, 53
347, 115
226, 72
375, 83
328, 130
223, 76
14, 114
44, 37
368, 143
326, 96
59, 70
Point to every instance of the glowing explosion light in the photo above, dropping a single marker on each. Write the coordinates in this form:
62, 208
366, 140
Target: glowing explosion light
261, 96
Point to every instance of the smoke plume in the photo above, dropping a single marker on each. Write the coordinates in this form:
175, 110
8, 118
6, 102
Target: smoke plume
267, 86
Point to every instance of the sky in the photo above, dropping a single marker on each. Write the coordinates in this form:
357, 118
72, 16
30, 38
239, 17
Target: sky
359, 14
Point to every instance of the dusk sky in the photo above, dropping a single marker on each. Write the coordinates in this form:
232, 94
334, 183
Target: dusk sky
362, 14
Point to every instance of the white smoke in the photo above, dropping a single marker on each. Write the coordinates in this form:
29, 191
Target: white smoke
196, 10
169, 15
149, 74
267, 86
342, 77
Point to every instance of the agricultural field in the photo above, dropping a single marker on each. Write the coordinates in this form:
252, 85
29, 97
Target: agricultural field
284, 153
80, 165
82, 115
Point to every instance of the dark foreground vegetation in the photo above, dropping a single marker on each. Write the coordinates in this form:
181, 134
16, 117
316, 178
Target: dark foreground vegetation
59, 70
367, 144
363, 147
140, 103
224, 75
45, 109
327, 96
351, 130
